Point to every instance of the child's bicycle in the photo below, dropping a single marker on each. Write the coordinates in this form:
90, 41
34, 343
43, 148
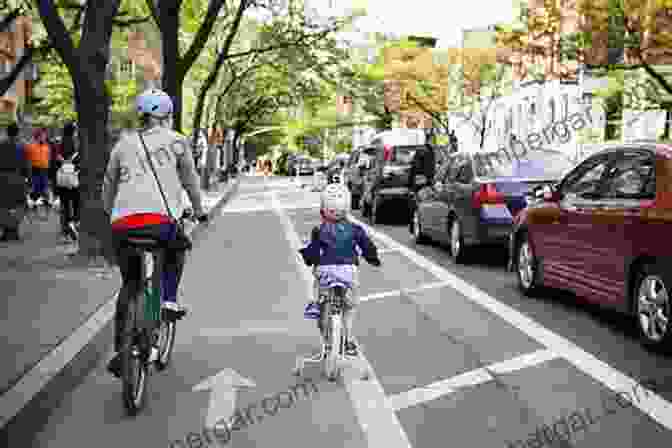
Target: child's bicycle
149, 335
332, 355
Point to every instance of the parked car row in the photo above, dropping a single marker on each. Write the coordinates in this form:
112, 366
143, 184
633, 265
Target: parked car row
599, 229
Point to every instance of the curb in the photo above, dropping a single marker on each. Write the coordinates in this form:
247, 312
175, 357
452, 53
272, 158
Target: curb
26, 407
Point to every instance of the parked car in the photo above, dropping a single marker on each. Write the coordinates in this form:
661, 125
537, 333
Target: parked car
305, 166
355, 169
603, 233
335, 166
387, 177
476, 196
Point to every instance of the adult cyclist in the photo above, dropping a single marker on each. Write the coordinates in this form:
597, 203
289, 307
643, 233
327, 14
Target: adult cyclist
132, 197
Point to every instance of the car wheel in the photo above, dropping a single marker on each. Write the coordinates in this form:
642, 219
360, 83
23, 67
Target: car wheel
356, 201
457, 249
419, 237
652, 307
527, 267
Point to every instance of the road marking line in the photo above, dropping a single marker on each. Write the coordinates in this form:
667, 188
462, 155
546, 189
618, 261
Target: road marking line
474, 377
16, 398
269, 208
376, 417
655, 406
398, 292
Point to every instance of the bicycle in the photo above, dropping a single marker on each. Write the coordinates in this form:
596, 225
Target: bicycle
149, 335
332, 355
33, 208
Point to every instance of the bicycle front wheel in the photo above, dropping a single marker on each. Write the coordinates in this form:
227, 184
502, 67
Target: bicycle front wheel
134, 368
166, 342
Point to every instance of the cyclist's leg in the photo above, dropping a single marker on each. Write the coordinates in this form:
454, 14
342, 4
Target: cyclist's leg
173, 266
349, 312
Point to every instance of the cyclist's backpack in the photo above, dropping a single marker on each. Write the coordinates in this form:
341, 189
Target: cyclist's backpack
67, 176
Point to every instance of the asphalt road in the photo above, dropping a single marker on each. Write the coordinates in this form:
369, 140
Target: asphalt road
458, 358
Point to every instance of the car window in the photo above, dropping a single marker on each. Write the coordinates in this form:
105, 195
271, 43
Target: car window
403, 155
631, 177
541, 164
586, 180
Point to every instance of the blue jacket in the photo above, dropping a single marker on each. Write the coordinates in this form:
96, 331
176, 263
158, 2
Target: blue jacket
339, 245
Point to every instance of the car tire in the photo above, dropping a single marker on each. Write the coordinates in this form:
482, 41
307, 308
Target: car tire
356, 200
653, 307
418, 235
527, 266
457, 248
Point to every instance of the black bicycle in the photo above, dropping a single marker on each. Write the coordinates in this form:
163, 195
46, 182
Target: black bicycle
149, 334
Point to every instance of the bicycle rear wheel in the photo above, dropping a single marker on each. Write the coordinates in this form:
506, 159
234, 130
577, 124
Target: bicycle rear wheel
335, 333
134, 367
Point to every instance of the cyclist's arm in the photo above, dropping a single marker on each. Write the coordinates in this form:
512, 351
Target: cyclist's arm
187, 172
111, 181
369, 249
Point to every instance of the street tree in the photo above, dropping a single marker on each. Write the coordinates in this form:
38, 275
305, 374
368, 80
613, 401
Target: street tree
86, 55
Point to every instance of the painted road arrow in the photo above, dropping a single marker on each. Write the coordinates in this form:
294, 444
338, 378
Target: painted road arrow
223, 387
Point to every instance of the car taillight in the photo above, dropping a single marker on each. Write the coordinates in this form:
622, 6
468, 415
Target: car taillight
487, 194
387, 153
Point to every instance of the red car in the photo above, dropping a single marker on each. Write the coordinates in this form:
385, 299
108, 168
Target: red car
605, 233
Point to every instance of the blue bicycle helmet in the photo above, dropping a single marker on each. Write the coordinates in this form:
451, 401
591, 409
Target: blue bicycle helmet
154, 102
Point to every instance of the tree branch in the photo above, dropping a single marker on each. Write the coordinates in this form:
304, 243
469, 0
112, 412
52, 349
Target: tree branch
9, 19
61, 40
204, 31
7, 81
153, 12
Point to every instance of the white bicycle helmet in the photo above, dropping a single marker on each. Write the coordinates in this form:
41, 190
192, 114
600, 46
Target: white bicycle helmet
154, 102
335, 201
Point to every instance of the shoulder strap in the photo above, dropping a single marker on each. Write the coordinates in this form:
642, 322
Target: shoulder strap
156, 177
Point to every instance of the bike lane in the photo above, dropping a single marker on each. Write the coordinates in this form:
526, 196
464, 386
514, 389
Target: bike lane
246, 297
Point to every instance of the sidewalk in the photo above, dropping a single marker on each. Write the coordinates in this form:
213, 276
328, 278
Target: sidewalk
47, 299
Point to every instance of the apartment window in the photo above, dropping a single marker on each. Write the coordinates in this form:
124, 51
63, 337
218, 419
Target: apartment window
551, 111
565, 105
127, 68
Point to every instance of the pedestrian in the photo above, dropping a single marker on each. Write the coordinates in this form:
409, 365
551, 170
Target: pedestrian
68, 158
453, 140
14, 172
423, 167
39, 154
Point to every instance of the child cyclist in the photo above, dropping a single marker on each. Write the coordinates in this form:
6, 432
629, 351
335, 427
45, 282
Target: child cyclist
333, 253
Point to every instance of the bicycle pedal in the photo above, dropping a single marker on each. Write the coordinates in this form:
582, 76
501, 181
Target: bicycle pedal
173, 315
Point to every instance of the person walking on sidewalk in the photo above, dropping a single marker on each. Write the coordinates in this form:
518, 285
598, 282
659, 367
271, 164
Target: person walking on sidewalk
142, 192
38, 153
68, 195
14, 171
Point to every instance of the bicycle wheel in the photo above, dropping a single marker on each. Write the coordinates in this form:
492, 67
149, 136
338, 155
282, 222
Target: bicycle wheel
331, 360
165, 342
134, 367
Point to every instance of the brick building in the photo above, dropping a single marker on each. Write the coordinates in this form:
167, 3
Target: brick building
13, 42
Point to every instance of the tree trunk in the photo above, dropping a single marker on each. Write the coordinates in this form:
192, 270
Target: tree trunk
93, 103
173, 73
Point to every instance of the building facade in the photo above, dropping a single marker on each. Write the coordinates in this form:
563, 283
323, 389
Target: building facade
13, 43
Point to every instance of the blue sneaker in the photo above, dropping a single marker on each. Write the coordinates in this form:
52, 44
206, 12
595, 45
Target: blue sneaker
312, 311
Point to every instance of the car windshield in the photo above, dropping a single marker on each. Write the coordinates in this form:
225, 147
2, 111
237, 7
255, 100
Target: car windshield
403, 155
539, 164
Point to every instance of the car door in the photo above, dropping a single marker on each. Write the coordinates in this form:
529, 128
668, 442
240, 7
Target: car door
446, 197
564, 247
612, 234
462, 199
428, 197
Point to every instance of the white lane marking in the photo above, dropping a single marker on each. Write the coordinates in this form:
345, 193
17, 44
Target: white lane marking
270, 208
438, 389
398, 292
387, 251
223, 388
378, 420
15, 399
655, 406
